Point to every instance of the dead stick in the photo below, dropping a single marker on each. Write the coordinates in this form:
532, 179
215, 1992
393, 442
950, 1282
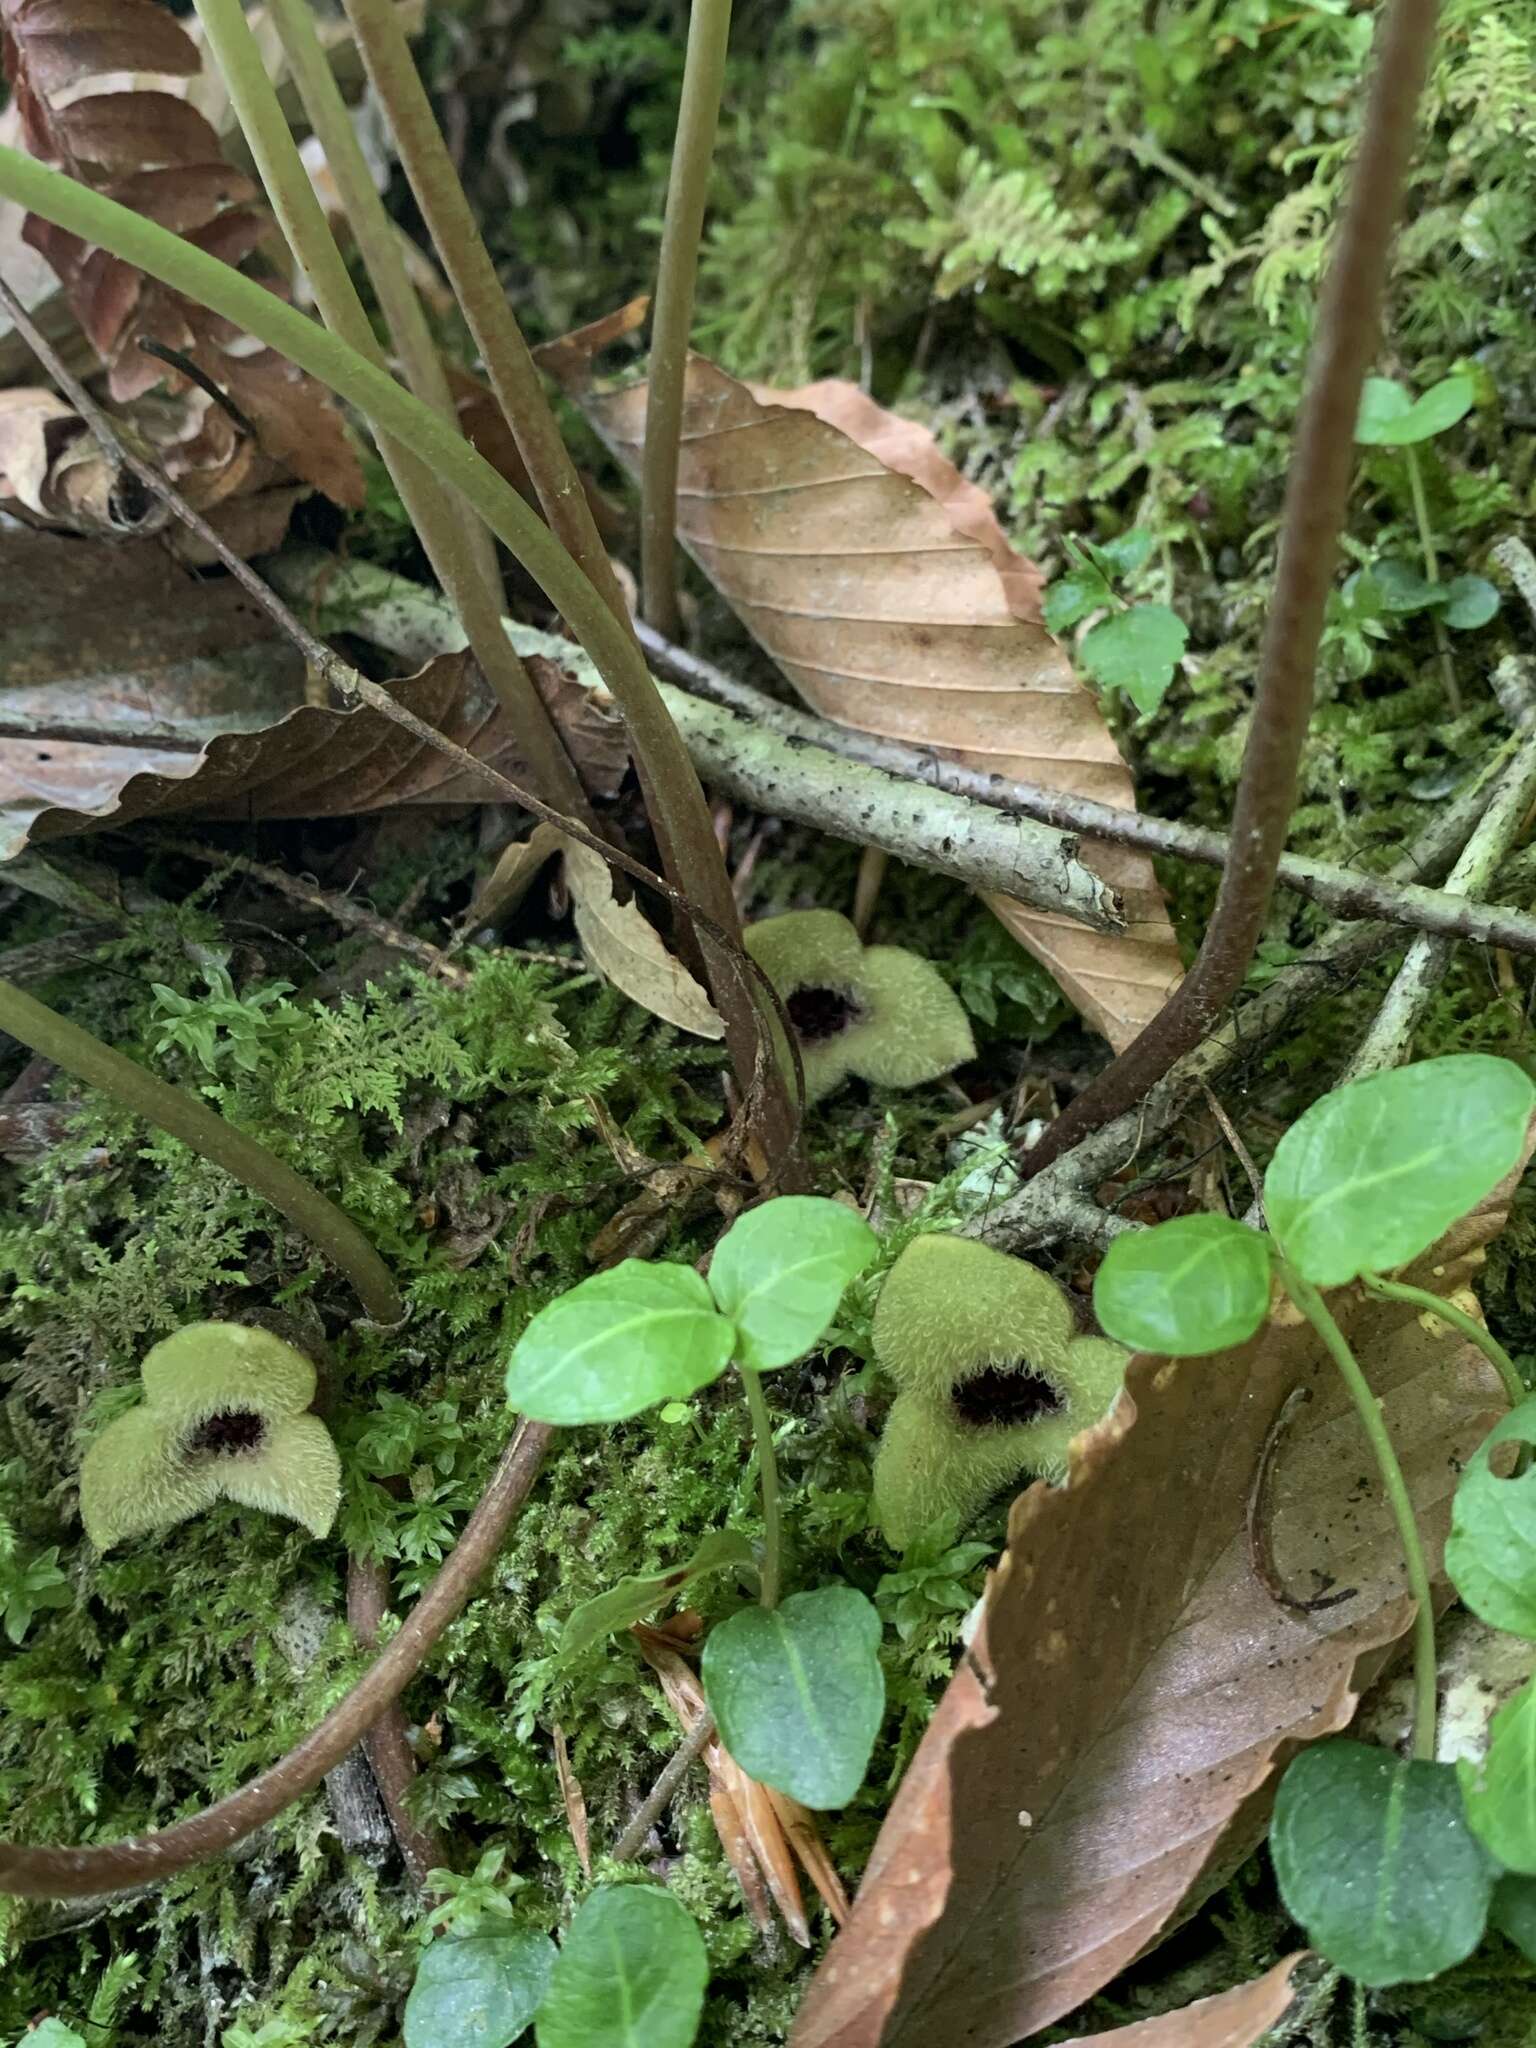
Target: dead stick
662, 1793
385, 1744
1317, 494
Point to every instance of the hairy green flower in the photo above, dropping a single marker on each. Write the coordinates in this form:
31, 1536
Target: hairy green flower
878, 1012
991, 1382
224, 1417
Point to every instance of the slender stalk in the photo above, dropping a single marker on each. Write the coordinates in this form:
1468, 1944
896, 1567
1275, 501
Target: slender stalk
1317, 493
1432, 575
71, 1872
678, 808
768, 1476
709, 29
662, 1793
377, 237
195, 1124
514, 377
1315, 1309
444, 532
1475, 1332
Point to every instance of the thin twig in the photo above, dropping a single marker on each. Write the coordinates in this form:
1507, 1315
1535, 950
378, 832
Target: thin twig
1346, 892
386, 1744
58, 1872
661, 1794
1233, 1137
1423, 969
1317, 493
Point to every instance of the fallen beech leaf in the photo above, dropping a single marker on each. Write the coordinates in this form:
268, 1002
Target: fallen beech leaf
132, 691
1109, 1743
882, 585
624, 948
1232, 2019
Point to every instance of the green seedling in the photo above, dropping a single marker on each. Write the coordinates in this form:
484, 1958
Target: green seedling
992, 1382
1388, 1864
224, 1417
1390, 417
478, 1990
1137, 648
632, 1970
877, 1013
28, 1585
797, 1690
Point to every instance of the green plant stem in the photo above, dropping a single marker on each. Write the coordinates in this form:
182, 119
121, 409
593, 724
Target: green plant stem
1432, 575
1469, 1326
768, 1477
709, 29
1315, 1309
679, 811
514, 377
186, 1118
433, 511
376, 236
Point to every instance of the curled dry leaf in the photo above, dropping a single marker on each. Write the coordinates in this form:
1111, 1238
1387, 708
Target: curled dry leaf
625, 948
1109, 1745
165, 695
1233, 2019
882, 585
153, 150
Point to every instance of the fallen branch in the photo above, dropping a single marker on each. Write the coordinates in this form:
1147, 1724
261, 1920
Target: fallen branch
763, 753
57, 1872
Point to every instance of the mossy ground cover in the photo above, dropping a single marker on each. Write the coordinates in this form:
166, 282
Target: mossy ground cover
1083, 243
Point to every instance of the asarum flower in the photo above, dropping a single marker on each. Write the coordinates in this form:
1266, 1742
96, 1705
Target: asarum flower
992, 1383
224, 1417
877, 1012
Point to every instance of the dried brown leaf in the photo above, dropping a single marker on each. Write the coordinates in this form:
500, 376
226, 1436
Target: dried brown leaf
883, 587
1233, 2019
133, 691
575, 1802
501, 893
624, 948
1110, 1741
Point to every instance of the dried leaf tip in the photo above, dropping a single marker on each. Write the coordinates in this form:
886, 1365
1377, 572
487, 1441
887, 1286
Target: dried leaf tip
992, 1383
224, 1417
876, 1012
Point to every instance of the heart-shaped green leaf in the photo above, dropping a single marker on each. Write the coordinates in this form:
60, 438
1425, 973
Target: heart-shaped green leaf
1490, 1554
798, 1694
478, 1990
1137, 651
1500, 1791
1197, 1284
619, 1343
636, 1596
779, 1274
630, 1974
1389, 418
1375, 1859
1470, 602
1375, 1172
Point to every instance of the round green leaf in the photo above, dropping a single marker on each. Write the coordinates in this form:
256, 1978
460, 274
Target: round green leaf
1375, 1172
477, 1991
1500, 1791
1399, 587
779, 1274
1072, 597
1375, 1859
1390, 419
1197, 1284
1513, 1913
51, 2033
619, 1343
798, 1694
1383, 402
630, 1974
1470, 602
1490, 1554
1136, 651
